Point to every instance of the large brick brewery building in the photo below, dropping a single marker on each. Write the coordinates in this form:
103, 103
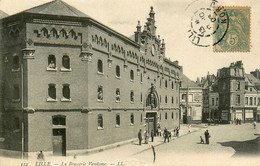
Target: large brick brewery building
70, 83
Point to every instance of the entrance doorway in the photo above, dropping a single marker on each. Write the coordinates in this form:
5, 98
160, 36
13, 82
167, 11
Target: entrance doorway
151, 122
59, 142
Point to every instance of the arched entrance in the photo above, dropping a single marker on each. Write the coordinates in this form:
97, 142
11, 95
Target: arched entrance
151, 108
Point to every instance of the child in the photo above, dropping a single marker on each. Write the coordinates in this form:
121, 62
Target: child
201, 140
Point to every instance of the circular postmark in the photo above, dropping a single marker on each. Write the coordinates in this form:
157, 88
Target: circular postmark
208, 26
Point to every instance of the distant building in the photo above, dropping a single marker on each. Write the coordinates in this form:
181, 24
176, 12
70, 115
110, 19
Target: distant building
256, 73
71, 84
210, 97
232, 95
190, 101
2, 15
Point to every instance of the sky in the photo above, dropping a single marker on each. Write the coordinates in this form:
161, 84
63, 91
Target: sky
173, 20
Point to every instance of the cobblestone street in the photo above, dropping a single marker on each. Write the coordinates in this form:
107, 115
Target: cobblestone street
229, 145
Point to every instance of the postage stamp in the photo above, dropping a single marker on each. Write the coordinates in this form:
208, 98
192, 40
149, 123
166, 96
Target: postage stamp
237, 38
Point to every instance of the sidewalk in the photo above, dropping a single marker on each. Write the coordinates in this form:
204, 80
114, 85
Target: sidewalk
134, 148
124, 149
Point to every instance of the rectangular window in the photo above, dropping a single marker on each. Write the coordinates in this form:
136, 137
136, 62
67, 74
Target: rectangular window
100, 121
16, 62
117, 120
183, 97
213, 102
254, 100
16, 92
190, 98
51, 62
100, 93
251, 100
238, 99
246, 101
238, 85
217, 101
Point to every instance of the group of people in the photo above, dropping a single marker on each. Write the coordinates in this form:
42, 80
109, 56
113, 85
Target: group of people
237, 121
207, 136
146, 136
166, 135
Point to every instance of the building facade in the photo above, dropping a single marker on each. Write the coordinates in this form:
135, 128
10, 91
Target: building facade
72, 84
232, 95
210, 97
190, 101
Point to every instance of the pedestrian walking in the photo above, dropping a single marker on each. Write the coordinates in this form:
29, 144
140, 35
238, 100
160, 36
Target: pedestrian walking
146, 137
207, 136
152, 135
40, 156
174, 132
166, 135
170, 134
140, 136
177, 132
254, 124
159, 130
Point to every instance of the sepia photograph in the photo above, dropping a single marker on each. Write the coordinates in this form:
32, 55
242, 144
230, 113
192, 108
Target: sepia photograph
129, 83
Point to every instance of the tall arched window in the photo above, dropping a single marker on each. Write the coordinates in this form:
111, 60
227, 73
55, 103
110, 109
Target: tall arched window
132, 119
66, 62
166, 99
166, 84
100, 66
52, 91
66, 91
172, 85
117, 120
132, 75
117, 71
141, 77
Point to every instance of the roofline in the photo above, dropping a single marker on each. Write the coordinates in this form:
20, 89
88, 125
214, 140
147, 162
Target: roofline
172, 63
115, 32
130, 41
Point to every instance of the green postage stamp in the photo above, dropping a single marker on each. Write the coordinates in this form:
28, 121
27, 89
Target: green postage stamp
237, 38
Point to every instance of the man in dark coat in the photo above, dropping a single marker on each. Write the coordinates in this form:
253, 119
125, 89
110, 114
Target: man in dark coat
177, 132
207, 136
166, 135
140, 137
152, 135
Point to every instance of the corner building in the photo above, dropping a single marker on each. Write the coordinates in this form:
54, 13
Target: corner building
72, 84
